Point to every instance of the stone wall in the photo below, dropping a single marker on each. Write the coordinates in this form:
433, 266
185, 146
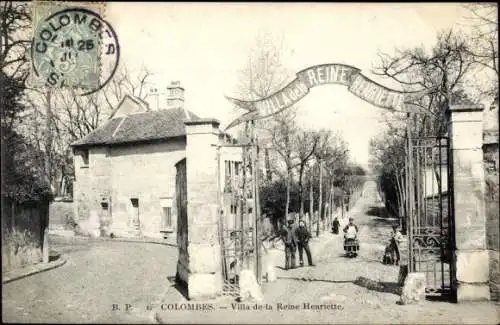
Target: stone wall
491, 153
61, 215
471, 255
491, 166
199, 266
182, 275
117, 174
22, 233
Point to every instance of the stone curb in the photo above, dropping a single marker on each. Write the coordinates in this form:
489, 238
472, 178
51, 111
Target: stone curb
136, 240
33, 269
122, 239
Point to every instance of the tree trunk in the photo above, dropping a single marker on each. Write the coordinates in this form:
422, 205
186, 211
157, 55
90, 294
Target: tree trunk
399, 194
332, 202
48, 137
311, 201
318, 220
320, 210
328, 212
301, 190
268, 165
287, 194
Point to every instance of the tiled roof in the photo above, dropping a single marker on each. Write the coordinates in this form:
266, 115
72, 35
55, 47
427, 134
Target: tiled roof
153, 125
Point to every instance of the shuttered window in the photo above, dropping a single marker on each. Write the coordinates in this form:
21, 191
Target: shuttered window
167, 217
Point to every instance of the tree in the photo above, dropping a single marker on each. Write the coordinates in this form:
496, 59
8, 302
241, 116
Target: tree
322, 152
436, 77
282, 141
20, 180
389, 163
55, 118
264, 74
484, 39
305, 142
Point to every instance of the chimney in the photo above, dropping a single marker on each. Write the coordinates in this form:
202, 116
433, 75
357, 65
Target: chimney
175, 95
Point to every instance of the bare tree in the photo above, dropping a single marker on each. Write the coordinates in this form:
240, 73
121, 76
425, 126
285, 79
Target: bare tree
282, 136
126, 83
484, 21
321, 152
436, 76
306, 142
264, 74
57, 117
15, 23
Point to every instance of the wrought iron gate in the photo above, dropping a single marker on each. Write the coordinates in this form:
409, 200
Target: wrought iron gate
237, 226
430, 227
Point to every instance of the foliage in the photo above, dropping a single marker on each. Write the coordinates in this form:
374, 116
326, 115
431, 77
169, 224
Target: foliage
20, 160
273, 197
439, 78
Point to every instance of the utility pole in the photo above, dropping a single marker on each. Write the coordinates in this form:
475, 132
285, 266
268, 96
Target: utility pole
311, 199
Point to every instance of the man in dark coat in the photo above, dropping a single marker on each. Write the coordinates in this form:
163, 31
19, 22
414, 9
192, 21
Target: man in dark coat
303, 236
290, 241
335, 225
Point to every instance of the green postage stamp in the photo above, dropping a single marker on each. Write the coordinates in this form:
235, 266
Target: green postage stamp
71, 42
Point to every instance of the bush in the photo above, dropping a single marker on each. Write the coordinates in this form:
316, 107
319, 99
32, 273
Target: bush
20, 248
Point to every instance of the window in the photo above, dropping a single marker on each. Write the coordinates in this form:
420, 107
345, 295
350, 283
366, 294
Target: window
85, 158
135, 213
166, 214
167, 217
135, 202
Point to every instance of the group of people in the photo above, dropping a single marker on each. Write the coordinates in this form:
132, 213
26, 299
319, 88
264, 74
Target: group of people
293, 238
298, 238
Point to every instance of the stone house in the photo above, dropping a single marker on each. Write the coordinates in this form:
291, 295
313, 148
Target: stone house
125, 170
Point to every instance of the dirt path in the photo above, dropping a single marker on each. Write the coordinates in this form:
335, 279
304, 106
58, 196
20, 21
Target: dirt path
331, 293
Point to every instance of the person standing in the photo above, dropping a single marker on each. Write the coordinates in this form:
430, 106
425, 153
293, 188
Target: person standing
290, 241
303, 236
351, 245
335, 225
351, 230
396, 239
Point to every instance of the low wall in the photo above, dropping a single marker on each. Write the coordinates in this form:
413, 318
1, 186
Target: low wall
22, 233
62, 216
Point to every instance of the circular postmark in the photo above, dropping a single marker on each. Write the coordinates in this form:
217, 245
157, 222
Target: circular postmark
69, 48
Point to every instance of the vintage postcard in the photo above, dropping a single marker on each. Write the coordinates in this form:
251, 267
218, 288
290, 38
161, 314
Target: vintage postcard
249, 163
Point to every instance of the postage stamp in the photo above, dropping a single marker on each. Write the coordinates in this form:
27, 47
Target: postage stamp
249, 163
71, 42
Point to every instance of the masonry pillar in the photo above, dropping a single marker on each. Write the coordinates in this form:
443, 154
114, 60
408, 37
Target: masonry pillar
471, 255
204, 256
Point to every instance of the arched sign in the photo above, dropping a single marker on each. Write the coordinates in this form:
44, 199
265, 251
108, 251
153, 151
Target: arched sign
342, 74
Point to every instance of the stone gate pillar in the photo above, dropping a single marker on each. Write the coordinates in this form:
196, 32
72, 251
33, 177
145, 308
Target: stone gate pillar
204, 256
471, 255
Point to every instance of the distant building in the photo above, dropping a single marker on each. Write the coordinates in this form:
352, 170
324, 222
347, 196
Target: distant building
125, 170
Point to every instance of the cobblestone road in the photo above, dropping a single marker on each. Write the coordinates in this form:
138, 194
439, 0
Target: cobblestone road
97, 275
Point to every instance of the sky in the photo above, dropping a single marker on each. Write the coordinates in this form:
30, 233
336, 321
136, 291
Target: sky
204, 45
